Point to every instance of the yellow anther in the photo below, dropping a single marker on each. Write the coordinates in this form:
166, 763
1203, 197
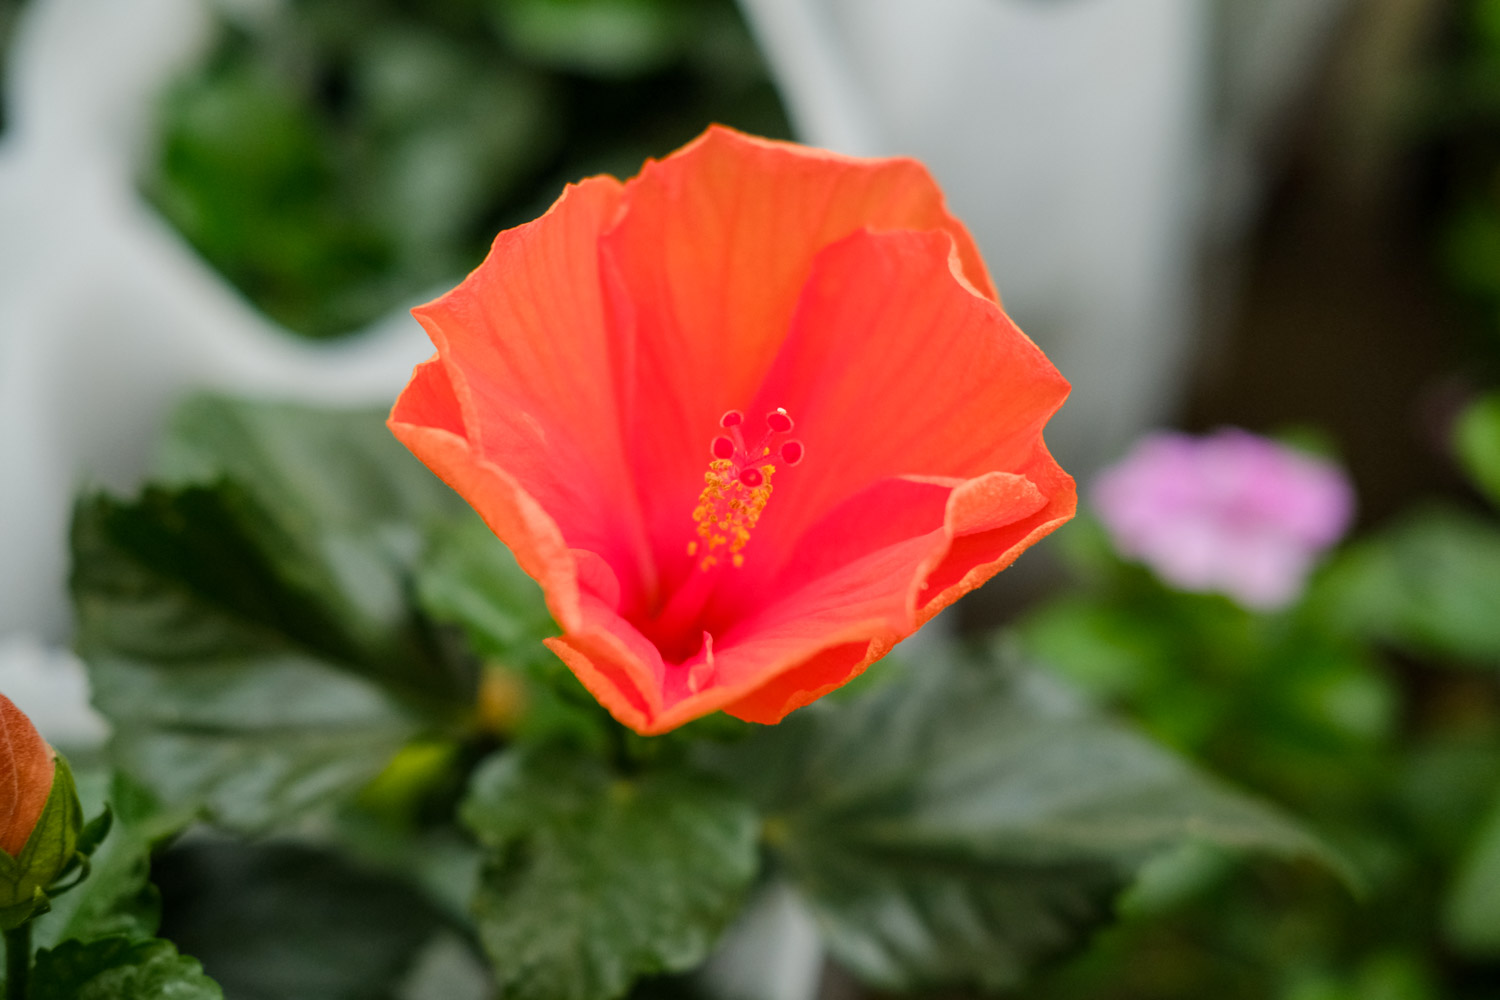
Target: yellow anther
727, 512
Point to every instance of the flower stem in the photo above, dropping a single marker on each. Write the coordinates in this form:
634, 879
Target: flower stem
17, 961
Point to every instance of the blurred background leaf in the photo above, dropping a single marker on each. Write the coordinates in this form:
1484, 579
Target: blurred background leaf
253, 640
1332, 707
1429, 584
1477, 442
1472, 915
285, 921
964, 821
336, 166
352, 507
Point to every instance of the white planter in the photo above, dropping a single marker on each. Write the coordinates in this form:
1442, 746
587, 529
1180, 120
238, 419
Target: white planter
107, 316
1078, 139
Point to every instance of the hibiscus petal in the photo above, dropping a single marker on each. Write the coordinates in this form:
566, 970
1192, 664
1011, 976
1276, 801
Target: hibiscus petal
921, 407
901, 585
615, 662
985, 536
528, 356
807, 682
708, 260
894, 368
511, 513
626, 673
839, 620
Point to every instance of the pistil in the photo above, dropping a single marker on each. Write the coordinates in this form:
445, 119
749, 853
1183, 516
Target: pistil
736, 490
737, 487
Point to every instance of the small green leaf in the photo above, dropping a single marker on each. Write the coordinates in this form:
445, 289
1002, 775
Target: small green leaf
117, 899
1429, 584
119, 968
1477, 441
94, 831
595, 879
965, 821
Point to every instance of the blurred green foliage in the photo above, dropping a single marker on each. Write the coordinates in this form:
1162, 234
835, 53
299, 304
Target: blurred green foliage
1464, 105
336, 161
296, 630
1370, 708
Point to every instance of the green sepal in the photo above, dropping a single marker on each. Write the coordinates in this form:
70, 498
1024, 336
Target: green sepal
94, 831
48, 852
15, 915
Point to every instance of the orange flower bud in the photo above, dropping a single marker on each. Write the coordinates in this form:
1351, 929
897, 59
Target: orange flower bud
26, 771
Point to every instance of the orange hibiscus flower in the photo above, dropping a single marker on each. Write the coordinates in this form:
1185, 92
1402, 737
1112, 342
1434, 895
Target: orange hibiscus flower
750, 419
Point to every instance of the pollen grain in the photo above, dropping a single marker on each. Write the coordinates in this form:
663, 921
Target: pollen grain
727, 512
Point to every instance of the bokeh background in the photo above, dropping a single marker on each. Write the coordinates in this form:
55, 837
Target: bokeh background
1276, 214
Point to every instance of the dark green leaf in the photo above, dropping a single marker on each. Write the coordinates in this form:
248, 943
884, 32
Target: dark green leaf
118, 968
594, 879
340, 513
252, 639
1430, 584
964, 821
282, 921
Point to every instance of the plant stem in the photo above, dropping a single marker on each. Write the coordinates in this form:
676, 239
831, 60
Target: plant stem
17, 961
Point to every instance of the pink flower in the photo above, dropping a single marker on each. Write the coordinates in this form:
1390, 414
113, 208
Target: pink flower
1230, 512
